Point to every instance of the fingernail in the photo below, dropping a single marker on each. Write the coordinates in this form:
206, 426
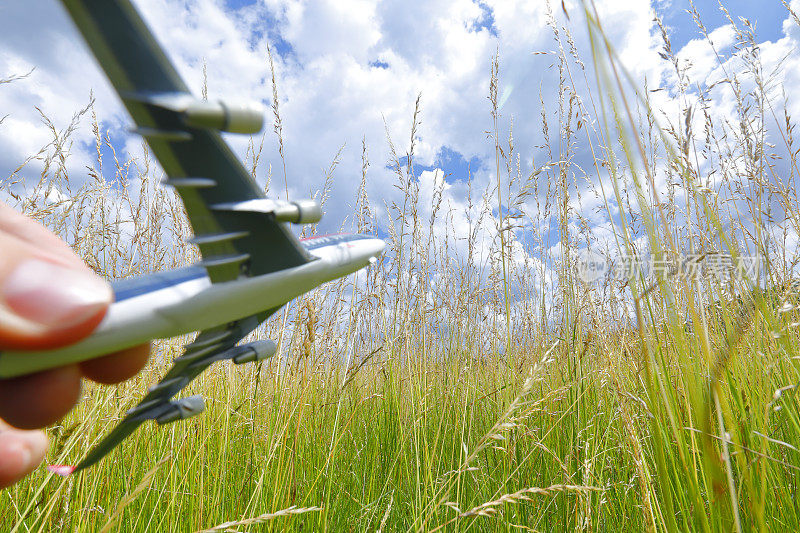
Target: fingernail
15, 457
20, 452
54, 296
36, 443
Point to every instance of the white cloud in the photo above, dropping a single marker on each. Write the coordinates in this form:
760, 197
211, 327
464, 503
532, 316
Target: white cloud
332, 91
702, 56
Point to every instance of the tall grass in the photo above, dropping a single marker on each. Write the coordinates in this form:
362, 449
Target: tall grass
471, 380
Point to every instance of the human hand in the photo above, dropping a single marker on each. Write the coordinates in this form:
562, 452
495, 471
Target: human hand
48, 298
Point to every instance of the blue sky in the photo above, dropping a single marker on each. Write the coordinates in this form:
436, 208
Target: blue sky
768, 17
349, 70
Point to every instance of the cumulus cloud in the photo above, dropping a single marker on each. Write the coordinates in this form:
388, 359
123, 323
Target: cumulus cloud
352, 70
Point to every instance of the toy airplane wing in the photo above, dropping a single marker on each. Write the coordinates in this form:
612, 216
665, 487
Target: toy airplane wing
238, 230
210, 346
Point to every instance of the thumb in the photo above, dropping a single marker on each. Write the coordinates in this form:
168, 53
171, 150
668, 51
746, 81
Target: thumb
46, 300
20, 453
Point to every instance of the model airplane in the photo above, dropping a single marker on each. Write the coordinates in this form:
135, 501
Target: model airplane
251, 263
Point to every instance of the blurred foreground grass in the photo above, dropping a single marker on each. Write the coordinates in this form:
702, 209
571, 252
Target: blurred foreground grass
407, 446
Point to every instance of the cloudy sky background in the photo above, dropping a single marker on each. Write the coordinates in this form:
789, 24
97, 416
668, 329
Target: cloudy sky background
350, 70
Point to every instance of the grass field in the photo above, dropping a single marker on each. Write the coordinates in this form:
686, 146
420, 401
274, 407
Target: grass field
453, 386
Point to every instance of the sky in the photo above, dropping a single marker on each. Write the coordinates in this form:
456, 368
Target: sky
768, 17
350, 71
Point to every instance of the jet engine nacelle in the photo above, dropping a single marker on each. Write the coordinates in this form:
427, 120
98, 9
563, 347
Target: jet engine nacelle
181, 409
297, 212
256, 351
234, 118
216, 115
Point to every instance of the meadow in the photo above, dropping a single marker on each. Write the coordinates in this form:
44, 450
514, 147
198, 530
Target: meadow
457, 385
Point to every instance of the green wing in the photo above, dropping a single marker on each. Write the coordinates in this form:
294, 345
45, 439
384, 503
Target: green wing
209, 346
238, 231
196, 160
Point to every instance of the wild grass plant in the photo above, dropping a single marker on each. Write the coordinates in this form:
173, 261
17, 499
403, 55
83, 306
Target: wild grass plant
473, 380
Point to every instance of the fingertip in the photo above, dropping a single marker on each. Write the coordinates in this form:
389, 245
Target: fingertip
29, 231
116, 367
45, 304
20, 453
18, 334
48, 297
40, 399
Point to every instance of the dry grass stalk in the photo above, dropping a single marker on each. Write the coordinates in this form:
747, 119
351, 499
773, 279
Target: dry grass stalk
524, 495
131, 496
266, 517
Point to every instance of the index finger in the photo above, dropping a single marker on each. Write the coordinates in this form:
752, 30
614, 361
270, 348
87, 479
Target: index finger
46, 301
30, 231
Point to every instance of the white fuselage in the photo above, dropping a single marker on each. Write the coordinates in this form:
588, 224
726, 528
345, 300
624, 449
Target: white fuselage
177, 307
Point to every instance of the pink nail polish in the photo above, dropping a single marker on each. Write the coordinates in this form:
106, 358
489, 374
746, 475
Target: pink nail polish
61, 470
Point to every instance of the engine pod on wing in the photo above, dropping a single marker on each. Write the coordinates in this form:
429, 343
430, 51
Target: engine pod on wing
297, 212
181, 409
234, 118
257, 351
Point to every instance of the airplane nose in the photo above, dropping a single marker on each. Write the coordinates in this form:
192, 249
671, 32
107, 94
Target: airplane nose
374, 247
377, 246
